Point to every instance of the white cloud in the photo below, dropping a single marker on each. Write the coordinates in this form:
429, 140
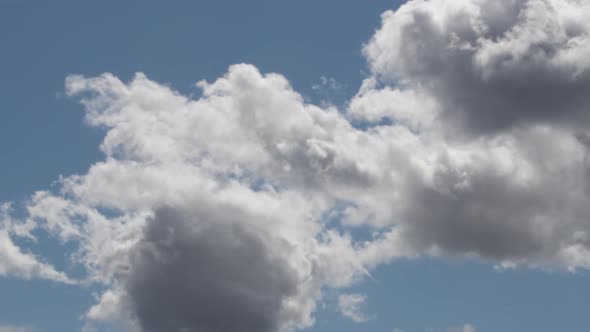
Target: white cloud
327, 84
411, 108
498, 114
464, 328
252, 148
251, 178
8, 328
14, 262
250, 153
350, 306
490, 64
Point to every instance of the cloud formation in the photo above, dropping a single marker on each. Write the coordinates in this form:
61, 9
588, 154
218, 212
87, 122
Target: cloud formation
199, 271
495, 92
229, 201
492, 65
239, 207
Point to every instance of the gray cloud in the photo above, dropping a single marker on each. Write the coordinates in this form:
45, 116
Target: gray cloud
492, 65
198, 272
491, 218
502, 215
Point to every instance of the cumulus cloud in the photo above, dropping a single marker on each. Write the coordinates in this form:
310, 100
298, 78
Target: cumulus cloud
208, 270
494, 91
238, 208
296, 171
229, 210
491, 64
413, 109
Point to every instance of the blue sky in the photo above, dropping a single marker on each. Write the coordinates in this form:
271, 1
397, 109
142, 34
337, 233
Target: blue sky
317, 46
178, 44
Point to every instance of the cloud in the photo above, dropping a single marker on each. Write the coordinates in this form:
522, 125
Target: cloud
205, 270
8, 328
414, 109
14, 262
327, 85
250, 144
493, 91
224, 197
465, 328
244, 203
251, 148
350, 307
330, 91
491, 65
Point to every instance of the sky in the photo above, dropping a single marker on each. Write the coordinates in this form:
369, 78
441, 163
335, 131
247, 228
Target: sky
270, 166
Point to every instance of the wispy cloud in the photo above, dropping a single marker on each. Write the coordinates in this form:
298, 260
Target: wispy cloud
350, 306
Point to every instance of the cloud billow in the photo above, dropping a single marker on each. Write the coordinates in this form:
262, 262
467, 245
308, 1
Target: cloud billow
189, 274
492, 65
